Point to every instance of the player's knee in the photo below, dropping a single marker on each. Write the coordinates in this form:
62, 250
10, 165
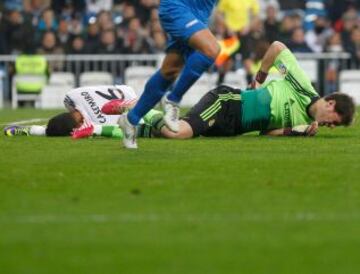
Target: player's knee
212, 50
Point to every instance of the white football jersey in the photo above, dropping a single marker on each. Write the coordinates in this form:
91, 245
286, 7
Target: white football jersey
89, 101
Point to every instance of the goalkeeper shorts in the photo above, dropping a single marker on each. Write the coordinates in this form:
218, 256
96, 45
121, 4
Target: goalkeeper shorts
217, 113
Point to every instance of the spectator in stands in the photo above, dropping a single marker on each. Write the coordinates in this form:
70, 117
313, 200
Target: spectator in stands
2, 38
348, 22
17, 33
63, 35
137, 39
334, 44
2, 42
49, 46
67, 8
316, 38
92, 36
264, 4
155, 25
48, 21
292, 5
271, 23
157, 33
287, 26
314, 9
77, 45
354, 46
338, 8
144, 9
96, 6
297, 42
159, 43
13, 5
105, 21
109, 44
34, 9
76, 25
128, 13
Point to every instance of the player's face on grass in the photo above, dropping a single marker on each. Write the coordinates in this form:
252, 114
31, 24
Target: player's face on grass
79, 119
327, 116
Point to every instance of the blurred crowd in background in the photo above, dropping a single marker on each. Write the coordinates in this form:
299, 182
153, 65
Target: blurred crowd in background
133, 27
80, 27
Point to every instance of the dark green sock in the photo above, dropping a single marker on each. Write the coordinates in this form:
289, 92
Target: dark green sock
157, 121
144, 131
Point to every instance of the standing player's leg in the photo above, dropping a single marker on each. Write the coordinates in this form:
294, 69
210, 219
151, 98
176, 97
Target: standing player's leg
187, 28
155, 88
206, 51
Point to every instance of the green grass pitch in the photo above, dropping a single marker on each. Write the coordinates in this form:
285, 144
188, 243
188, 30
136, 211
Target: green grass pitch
227, 205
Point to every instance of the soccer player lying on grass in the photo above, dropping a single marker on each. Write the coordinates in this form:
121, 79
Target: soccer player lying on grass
288, 106
84, 117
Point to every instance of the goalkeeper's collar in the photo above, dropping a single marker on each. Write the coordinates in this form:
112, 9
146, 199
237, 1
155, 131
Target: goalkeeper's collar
313, 101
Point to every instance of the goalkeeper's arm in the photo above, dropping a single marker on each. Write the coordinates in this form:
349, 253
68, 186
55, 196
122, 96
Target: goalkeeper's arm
302, 130
267, 62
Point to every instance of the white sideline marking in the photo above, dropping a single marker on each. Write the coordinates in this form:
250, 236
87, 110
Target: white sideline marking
190, 218
22, 122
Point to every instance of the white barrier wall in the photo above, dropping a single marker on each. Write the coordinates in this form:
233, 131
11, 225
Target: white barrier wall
350, 84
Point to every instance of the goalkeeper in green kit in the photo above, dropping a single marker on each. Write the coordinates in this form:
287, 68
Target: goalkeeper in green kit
285, 107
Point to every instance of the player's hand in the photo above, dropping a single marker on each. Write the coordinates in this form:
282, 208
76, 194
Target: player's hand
254, 85
305, 130
312, 129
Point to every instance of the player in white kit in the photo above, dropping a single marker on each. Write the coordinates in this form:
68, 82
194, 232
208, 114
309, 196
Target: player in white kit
84, 116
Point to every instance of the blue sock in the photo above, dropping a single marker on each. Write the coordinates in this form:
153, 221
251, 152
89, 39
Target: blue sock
195, 65
155, 88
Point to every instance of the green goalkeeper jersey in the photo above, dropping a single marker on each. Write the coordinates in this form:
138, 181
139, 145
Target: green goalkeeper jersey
279, 103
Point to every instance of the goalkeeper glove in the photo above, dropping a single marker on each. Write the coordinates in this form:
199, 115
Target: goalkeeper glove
302, 130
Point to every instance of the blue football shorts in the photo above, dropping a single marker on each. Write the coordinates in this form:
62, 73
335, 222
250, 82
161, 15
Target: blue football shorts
180, 23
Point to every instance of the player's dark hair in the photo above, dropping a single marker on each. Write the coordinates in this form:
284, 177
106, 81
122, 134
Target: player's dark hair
61, 125
345, 106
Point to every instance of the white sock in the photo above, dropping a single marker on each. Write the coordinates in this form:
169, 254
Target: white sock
97, 130
38, 130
